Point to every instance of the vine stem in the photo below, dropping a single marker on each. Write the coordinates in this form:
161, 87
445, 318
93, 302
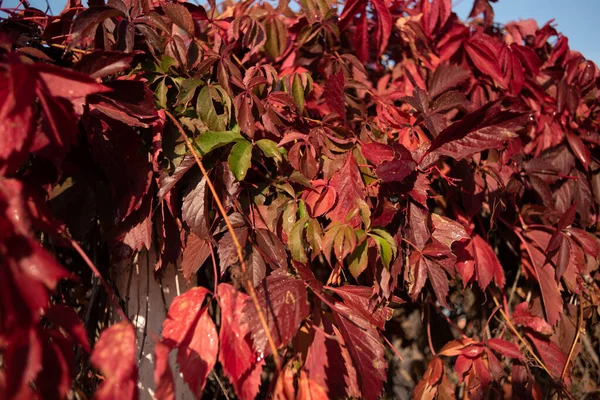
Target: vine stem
248, 283
575, 340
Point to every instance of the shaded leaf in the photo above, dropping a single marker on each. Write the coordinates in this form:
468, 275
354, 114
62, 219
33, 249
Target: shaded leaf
283, 301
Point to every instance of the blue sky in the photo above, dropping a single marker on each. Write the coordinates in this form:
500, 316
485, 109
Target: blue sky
579, 20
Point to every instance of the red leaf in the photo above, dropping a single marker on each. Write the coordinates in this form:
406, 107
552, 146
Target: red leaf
22, 362
395, 171
358, 299
366, 349
226, 247
348, 184
325, 366
487, 265
551, 355
384, 25
505, 348
587, 241
163, 376
377, 153
483, 51
447, 231
522, 316
61, 82
439, 282
361, 36
485, 128
446, 77
195, 253
553, 303
240, 362
190, 330
283, 301
334, 94
101, 64
114, 355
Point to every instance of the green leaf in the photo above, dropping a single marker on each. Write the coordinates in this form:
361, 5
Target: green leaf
269, 148
161, 94
314, 235
187, 90
210, 140
239, 159
289, 217
358, 261
206, 108
166, 62
298, 92
385, 245
296, 241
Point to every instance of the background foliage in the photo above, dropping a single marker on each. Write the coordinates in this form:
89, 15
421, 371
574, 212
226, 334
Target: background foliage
336, 180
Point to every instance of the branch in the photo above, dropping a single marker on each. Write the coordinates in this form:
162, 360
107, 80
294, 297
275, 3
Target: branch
248, 282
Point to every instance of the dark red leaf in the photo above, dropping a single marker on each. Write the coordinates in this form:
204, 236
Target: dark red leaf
487, 266
180, 16
366, 349
195, 253
551, 355
194, 211
377, 153
272, 248
485, 128
334, 94
283, 301
100, 64
395, 171
66, 318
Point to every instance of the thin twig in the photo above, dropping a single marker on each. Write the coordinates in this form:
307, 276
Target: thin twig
248, 282
391, 347
575, 339
65, 48
223, 389
90, 264
513, 329
429, 330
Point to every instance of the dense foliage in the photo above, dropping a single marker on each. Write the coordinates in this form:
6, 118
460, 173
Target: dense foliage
346, 183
